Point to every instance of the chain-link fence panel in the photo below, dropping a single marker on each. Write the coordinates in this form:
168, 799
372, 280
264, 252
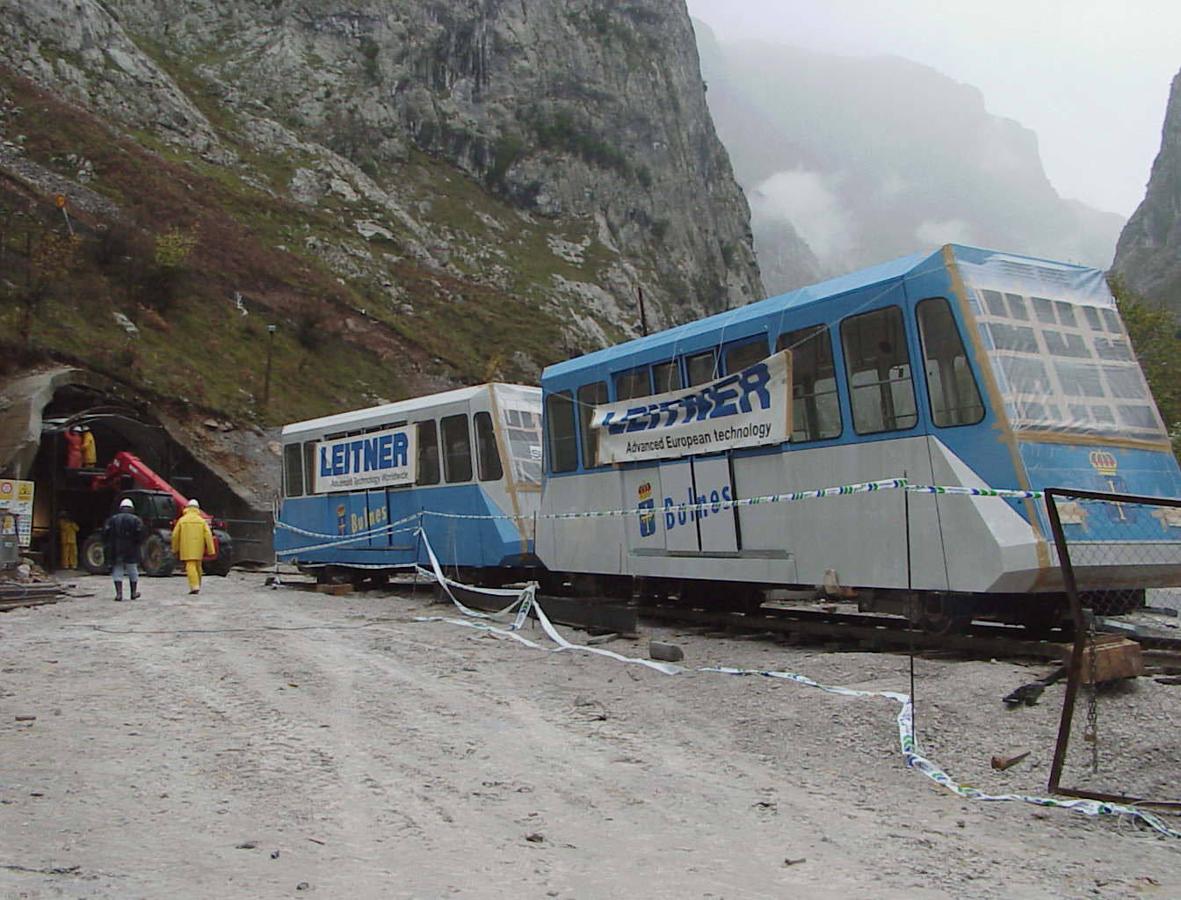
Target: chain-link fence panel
1120, 733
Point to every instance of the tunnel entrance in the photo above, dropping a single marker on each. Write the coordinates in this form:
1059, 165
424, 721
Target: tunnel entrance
88, 490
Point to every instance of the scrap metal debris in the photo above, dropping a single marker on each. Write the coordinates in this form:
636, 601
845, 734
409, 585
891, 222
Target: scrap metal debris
1028, 694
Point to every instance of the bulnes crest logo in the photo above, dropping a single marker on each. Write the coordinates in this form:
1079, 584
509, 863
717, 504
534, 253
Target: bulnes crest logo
1104, 462
647, 505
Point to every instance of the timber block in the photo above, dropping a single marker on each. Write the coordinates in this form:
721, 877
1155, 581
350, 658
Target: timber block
336, 590
1115, 658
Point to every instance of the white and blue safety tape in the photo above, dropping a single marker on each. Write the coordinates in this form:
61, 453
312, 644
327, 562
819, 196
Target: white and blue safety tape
527, 601
844, 490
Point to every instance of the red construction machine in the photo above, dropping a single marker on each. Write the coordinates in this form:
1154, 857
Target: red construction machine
159, 504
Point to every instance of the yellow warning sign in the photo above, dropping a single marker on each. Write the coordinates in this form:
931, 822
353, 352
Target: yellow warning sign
16, 497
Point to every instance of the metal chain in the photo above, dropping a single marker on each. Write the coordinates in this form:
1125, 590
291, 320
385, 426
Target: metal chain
1091, 731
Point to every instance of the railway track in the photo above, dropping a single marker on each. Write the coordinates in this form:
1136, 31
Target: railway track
852, 630
867, 631
872, 632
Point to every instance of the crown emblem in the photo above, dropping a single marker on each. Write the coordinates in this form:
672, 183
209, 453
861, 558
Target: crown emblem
1104, 462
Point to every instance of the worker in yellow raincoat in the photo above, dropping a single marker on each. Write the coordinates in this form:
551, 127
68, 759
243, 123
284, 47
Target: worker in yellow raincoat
67, 539
192, 541
89, 450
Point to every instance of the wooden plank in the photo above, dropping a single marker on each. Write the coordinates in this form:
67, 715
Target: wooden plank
6, 605
1114, 658
336, 590
19, 592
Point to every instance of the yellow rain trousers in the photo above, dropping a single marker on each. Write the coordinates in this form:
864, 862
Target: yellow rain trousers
191, 542
67, 531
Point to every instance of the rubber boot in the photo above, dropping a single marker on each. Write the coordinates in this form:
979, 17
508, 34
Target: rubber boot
118, 591
135, 590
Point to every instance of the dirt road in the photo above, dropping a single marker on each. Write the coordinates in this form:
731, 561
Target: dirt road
269, 743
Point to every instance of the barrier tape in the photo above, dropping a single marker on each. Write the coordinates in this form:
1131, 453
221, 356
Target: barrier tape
436, 572
340, 542
527, 598
915, 759
837, 491
525, 602
372, 532
843, 490
975, 492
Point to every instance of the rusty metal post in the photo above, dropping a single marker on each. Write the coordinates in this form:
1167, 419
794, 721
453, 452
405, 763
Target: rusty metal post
1076, 653
266, 386
910, 600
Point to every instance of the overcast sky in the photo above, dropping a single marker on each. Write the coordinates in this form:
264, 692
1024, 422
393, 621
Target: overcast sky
1090, 77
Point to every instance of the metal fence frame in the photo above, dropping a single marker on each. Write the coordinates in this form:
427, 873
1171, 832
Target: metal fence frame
1074, 676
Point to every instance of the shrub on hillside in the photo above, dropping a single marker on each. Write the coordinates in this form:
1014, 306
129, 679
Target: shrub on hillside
166, 272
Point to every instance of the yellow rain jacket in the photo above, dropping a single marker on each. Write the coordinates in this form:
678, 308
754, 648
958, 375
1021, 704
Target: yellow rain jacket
191, 537
89, 450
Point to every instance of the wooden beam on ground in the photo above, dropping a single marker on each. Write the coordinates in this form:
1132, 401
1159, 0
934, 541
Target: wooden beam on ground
6, 605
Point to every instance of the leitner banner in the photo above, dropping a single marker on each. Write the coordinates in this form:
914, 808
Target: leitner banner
377, 460
750, 408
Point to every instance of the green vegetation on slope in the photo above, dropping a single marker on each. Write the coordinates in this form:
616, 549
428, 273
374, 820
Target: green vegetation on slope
1156, 339
340, 342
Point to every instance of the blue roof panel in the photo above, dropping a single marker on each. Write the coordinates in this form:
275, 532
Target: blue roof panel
796, 299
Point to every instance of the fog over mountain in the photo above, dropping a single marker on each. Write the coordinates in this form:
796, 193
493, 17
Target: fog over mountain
1149, 253
847, 161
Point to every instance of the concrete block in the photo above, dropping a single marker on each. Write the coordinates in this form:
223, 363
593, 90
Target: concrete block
665, 652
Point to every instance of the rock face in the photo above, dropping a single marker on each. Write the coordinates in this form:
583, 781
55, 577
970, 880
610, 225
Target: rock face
585, 116
1149, 252
870, 158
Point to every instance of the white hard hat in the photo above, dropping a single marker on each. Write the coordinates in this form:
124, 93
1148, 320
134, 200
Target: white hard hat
194, 504
126, 503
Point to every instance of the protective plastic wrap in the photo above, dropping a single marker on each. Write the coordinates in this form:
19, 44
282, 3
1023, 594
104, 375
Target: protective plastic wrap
1059, 350
520, 408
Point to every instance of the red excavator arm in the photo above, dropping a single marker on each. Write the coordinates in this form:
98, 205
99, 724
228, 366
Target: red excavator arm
128, 465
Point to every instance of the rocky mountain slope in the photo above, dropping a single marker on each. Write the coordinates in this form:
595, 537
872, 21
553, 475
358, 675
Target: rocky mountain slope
858, 160
416, 194
1149, 253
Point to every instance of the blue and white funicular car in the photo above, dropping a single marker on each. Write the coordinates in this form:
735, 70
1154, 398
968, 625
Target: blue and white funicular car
357, 485
961, 367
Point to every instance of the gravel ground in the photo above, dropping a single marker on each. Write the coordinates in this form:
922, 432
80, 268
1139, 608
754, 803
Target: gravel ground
268, 743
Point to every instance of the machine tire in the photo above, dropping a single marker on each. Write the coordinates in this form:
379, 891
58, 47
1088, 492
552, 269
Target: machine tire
94, 555
156, 557
224, 561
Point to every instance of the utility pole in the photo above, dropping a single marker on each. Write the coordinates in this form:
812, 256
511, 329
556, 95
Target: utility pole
266, 385
59, 201
643, 318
